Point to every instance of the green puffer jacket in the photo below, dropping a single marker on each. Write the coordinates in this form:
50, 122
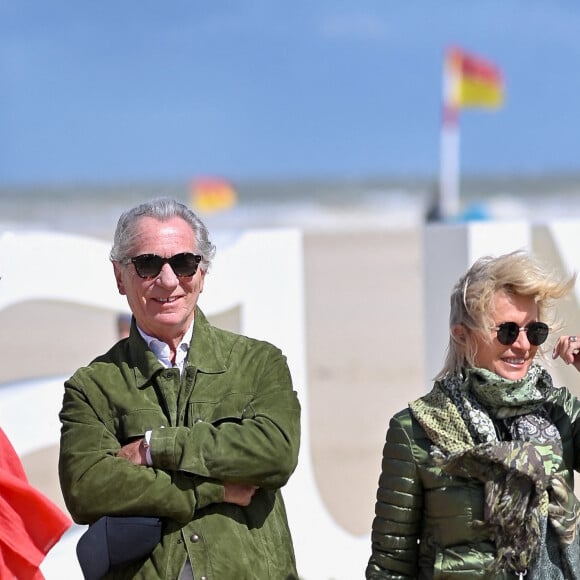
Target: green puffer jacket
232, 416
422, 527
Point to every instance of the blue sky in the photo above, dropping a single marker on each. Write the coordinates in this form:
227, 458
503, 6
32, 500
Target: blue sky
126, 90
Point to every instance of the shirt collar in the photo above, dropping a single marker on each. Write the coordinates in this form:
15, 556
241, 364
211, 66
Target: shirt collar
162, 351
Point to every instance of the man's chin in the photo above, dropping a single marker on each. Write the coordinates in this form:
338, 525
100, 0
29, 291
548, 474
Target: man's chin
170, 321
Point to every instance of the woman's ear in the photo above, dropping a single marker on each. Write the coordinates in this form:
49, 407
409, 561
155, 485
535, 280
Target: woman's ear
459, 332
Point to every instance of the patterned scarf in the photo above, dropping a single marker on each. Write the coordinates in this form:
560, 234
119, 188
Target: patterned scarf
466, 417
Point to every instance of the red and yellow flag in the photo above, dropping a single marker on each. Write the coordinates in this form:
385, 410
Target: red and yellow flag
472, 81
212, 194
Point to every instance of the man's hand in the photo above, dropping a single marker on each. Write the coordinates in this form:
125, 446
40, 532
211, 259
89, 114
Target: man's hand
239, 493
134, 452
236, 493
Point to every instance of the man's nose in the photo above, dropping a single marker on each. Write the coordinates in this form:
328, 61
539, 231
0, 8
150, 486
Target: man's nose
167, 276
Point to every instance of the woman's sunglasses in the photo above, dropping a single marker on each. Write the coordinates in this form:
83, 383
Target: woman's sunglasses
508, 332
149, 265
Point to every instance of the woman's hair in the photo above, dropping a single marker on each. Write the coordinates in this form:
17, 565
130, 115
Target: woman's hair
162, 209
472, 299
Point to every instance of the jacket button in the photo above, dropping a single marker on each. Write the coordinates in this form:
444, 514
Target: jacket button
194, 538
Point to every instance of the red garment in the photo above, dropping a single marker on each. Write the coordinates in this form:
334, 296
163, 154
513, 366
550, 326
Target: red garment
30, 524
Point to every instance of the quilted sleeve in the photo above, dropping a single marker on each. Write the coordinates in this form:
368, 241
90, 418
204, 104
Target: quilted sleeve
396, 526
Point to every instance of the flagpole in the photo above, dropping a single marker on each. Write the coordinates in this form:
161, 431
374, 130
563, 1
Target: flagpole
449, 141
449, 169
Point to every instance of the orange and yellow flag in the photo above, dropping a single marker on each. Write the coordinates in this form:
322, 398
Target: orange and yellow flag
212, 194
472, 81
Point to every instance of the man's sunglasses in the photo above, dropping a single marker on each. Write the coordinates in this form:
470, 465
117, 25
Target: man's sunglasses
508, 332
149, 265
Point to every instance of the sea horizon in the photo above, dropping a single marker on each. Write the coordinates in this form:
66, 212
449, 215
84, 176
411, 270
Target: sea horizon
373, 202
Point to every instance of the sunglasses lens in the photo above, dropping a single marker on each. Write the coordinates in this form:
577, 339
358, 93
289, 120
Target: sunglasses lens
507, 332
184, 264
537, 333
148, 265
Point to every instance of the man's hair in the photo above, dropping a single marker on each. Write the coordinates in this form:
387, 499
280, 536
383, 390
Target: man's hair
162, 209
516, 273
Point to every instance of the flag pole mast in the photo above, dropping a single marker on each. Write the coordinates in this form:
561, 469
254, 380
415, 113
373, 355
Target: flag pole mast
449, 144
449, 171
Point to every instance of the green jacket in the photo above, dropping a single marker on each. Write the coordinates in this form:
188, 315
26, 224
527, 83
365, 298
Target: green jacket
422, 527
232, 416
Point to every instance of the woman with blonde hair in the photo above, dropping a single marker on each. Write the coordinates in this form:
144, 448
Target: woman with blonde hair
477, 475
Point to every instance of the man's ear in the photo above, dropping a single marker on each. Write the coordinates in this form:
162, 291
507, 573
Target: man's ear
119, 278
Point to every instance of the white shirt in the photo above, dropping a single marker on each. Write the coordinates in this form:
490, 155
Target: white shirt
162, 351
